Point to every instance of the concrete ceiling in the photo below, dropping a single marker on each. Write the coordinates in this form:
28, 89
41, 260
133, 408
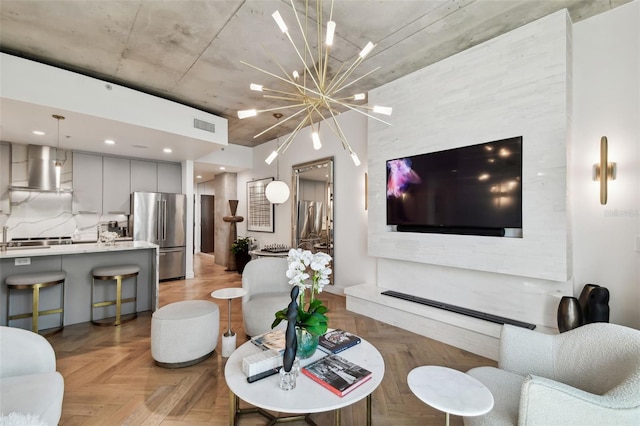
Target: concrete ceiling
190, 51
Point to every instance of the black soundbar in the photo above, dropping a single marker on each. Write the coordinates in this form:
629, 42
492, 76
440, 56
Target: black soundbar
460, 230
459, 310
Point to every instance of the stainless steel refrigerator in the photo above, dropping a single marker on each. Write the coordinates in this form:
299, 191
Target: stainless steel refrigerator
160, 219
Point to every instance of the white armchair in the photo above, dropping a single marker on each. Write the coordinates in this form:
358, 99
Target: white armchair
29, 382
268, 291
587, 376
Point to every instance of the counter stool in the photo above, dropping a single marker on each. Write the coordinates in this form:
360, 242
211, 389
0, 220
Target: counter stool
117, 273
34, 282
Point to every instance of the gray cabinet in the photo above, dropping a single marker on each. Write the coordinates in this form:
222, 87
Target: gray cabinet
116, 185
5, 177
170, 178
144, 176
87, 183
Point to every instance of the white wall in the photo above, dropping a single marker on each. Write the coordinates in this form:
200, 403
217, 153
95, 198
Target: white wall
516, 84
352, 264
607, 103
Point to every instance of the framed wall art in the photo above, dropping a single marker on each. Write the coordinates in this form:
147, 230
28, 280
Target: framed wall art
260, 210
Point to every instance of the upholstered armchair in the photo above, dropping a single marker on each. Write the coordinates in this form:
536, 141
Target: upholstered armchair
29, 382
586, 376
268, 291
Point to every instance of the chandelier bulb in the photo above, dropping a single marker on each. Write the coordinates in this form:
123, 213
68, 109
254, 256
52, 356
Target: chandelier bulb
317, 144
247, 113
355, 159
280, 21
271, 157
331, 30
255, 87
367, 49
382, 110
296, 76
359, 97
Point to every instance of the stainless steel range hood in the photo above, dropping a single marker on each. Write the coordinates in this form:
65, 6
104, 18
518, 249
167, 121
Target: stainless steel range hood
41, 169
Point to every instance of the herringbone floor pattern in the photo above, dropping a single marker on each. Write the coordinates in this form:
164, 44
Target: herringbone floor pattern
111, 379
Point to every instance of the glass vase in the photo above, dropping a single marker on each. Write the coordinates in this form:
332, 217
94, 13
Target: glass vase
307, 343
288, 378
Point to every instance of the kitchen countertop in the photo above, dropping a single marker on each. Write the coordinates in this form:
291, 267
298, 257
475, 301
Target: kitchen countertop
65, 249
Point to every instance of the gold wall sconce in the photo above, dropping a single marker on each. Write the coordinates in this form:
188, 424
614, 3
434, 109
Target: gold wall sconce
604, 164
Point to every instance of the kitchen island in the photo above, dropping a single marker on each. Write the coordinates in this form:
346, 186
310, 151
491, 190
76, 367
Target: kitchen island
77, 260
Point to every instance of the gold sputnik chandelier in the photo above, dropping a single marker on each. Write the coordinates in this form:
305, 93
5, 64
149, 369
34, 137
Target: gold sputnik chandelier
317, 95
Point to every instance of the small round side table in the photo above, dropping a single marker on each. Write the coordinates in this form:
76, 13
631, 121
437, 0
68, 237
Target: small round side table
450, 391
228, 338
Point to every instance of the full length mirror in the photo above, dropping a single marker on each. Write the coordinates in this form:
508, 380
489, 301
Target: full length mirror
312, 215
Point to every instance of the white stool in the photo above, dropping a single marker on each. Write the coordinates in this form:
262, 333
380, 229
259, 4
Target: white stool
184, 333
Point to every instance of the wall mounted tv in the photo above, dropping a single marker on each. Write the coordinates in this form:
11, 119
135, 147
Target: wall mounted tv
473, 190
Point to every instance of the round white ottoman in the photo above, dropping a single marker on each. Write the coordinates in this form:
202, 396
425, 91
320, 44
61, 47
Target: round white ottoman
184, 333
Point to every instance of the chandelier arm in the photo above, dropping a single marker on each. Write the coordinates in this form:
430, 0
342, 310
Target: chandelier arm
266, 89
282, 98
280, 122
354, 81
293, 135
342, 77
357, 110
339, 133
289, 79
306, 43
306, 67
336, 75
282, 79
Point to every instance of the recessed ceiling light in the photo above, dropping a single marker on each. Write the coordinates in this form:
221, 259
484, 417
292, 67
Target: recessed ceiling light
38, 132
140, 146
167, 150
109, 141
223, 168
199, 177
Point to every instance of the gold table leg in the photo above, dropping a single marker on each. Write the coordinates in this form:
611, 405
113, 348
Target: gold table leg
233, 405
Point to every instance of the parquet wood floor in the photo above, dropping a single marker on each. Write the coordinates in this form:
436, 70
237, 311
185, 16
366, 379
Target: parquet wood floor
111, 379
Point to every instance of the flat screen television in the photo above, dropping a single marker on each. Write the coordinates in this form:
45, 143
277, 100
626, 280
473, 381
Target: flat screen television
474, 190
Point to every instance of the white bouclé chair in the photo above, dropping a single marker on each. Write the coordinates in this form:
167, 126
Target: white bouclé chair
29, 383
586, 376
268, 291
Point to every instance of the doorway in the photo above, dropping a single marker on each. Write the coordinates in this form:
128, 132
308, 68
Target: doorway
206, 223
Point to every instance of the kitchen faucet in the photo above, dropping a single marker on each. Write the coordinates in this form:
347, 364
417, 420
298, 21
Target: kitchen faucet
4, 243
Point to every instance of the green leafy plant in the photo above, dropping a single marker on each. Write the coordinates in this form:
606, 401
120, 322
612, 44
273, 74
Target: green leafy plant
241, 245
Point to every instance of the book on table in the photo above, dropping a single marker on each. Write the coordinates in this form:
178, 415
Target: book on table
337, 374
274, 340
337, 340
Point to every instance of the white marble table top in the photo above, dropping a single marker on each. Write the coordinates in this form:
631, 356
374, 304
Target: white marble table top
228, 293
450, 391
308, 396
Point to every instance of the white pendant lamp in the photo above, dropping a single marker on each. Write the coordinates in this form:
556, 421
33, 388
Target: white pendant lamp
277, 192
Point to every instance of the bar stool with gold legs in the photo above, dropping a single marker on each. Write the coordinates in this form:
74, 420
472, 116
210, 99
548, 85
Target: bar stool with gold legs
117, 273
34, 282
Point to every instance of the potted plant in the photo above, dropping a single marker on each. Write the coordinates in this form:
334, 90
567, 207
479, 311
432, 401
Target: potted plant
240, 249
310, 272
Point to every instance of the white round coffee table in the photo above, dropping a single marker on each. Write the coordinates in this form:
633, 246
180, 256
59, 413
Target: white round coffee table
450, 391
308, 396
229, 338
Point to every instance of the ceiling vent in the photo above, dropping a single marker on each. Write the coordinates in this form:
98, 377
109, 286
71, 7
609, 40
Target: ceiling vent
203, 125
